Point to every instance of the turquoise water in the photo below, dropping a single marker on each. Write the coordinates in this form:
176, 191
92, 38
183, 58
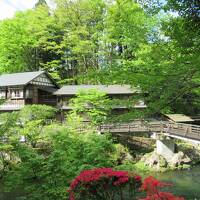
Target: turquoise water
186, 184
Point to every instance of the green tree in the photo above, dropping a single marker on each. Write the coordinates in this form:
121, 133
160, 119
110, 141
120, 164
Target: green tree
165, 67
93, 105
33, 112
82, 22
33, 121
41, 3
125, 29
45, 171
183, 44
27, 123
8, 136
35, 44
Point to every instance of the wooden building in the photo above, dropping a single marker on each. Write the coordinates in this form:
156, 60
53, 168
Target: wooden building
21, 89
120, 92
114, 92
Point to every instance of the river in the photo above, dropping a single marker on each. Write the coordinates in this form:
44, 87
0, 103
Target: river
186, 183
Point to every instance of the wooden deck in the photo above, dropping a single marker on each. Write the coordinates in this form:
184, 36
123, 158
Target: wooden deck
171, 129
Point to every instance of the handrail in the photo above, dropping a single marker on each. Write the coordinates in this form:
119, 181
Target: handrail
184, 130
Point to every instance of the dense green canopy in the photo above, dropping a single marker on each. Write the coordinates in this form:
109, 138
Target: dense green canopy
150, 44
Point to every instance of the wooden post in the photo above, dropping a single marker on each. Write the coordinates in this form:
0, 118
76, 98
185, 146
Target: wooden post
6, 91
35, 95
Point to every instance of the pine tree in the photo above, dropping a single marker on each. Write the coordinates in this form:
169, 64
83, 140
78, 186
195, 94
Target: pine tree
41, 3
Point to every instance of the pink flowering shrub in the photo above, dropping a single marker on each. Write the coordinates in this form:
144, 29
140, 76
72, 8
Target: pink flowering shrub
108, 184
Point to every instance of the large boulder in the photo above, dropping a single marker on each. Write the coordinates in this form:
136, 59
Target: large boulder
154, 160
179, 159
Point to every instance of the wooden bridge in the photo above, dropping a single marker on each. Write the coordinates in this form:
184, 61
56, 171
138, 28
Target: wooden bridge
174, 130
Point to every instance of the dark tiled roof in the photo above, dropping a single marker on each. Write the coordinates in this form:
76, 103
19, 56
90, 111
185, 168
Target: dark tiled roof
18, 78
108, 89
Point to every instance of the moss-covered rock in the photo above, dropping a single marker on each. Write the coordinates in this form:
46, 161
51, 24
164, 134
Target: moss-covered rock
122, 154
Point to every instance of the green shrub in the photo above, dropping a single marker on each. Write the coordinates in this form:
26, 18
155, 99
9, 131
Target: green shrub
47, 175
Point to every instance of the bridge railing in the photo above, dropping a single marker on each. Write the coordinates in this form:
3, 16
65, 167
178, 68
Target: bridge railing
183, 130
132, 127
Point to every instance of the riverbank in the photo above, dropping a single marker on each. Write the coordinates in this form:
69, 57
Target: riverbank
143, 150
186, 157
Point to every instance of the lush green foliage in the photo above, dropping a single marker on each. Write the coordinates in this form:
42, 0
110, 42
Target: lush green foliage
75, 37
93, 41
93, 105
33, 44
27, 123
166, 65
51, 155
45, 169
87, 41
37, 112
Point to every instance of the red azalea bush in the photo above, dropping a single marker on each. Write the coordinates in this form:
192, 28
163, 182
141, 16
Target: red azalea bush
104, 183
108, 184
152, 186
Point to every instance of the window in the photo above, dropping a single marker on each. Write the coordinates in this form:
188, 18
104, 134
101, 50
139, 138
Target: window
16, 93
29, 93
2, 94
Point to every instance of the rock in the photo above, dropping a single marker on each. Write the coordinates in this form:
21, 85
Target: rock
144, 158
162, 162
8, 159
128, 157
157, 162
122, 154
154, 160
179, 159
